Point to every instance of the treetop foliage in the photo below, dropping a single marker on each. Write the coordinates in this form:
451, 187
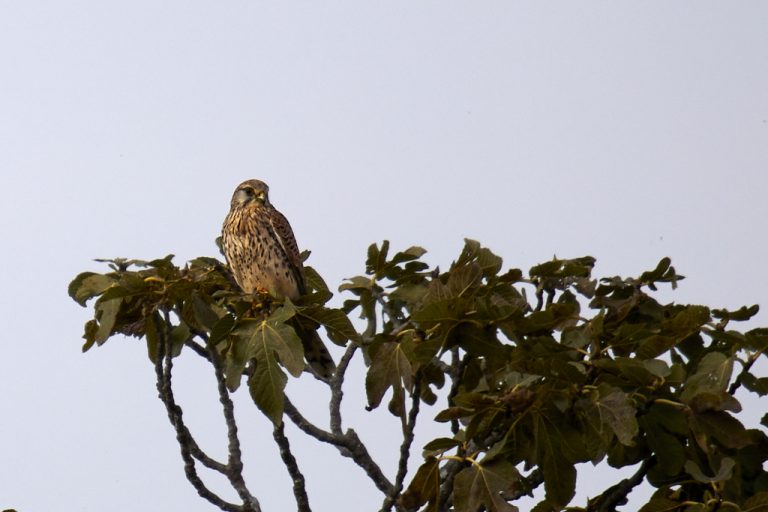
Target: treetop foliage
534, 372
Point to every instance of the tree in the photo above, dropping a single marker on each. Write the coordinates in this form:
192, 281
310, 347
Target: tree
586, 370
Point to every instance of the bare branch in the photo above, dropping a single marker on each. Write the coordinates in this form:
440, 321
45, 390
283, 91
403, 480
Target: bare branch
359, 453
348, 444
163, 370
197, 348
299, 489
336, 392
235, 462
308, 427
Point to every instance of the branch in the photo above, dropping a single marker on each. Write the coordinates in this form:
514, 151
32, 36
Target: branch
299, 489
617, 494
235, 462
348, 444
187, 445
458, 369
405, 448
447, 474
528, 483
197, 348
336, 392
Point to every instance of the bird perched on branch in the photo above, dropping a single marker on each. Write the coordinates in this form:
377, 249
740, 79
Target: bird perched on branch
261, 250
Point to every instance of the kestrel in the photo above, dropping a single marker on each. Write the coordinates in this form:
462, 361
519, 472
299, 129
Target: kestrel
262, 253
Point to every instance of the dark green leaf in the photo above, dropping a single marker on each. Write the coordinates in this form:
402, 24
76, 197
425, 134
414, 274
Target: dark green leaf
559, 472
336, 323
742, 314
267, 387
723, 427
483, 484
425, 487
440, 445
389, 368
713, 374
617, 412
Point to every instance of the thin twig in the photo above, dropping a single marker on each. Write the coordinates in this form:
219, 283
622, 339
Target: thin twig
405, 447
299, 488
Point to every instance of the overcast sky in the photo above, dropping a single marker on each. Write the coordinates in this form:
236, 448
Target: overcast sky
624, 130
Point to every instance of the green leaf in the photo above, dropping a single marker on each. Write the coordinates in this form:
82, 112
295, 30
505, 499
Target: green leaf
742, 314
178, 336
376, 258
483, 484
88, 285
489, 263
425, 487
559, 472
204, 313
617, 412
267, 387
336, 323
389, 368
755, 384
657, 425
265, 337
222, 328
283, 313
721, 426
453, 413
316, 282
463, 279
713, 374
440, 445
106, 314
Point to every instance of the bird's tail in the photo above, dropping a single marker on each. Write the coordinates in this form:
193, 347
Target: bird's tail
318, 358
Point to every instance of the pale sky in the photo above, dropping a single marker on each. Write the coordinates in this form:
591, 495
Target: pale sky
624, 130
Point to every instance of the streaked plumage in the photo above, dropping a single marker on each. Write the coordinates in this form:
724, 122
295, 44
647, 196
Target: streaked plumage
262, 253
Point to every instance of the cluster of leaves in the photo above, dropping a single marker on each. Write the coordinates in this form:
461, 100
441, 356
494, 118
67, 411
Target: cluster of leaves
256, 337
532, 387
543, 386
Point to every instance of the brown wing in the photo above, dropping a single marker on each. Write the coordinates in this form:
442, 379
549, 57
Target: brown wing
284, 235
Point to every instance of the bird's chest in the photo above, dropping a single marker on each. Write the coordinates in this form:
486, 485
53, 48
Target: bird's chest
258, 260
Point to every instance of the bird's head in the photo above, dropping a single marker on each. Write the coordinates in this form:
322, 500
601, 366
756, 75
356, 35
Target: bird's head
250, 193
